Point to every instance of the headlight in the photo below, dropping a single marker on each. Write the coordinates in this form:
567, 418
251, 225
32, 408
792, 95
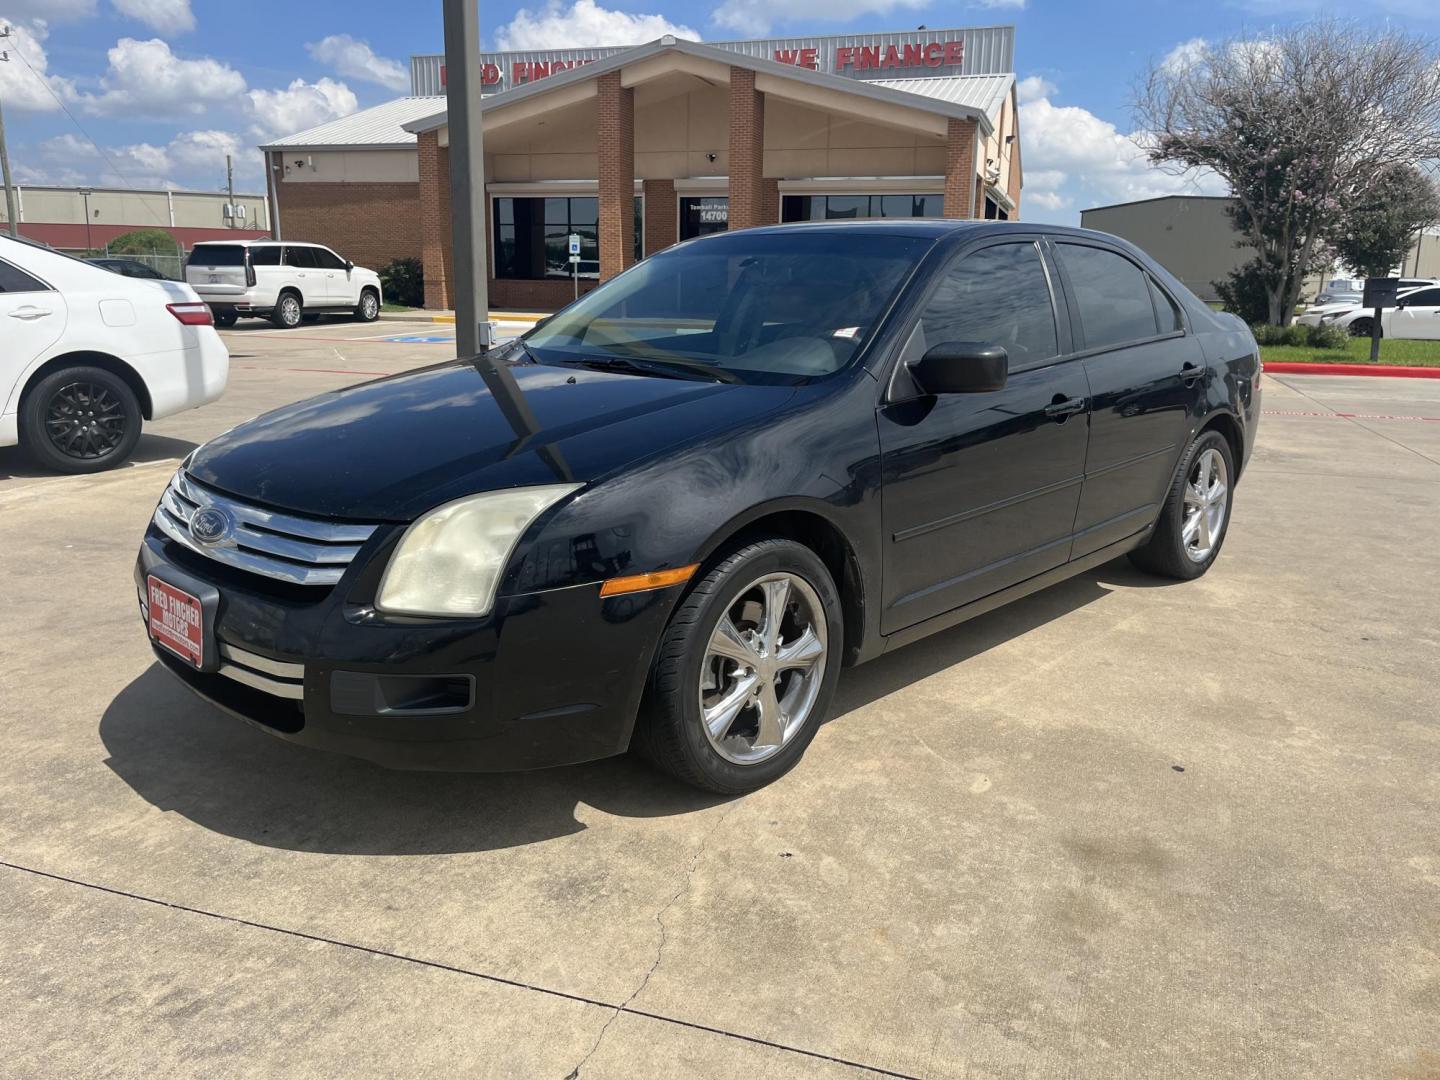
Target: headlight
449, 562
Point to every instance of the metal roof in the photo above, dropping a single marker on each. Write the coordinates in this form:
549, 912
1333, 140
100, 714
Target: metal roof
987, 93
874, 90
379, 128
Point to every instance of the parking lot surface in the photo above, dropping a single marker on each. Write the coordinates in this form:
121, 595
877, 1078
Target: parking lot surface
1120, 828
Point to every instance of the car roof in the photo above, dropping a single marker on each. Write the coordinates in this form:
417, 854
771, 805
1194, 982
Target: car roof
256, 243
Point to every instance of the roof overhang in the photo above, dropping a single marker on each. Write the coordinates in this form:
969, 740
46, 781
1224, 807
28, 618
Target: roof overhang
667, 55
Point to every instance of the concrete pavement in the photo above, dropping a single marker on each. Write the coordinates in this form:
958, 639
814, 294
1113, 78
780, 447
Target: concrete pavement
1121, 828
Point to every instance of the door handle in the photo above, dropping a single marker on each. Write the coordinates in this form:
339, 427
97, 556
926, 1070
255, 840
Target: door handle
30, 312
1063, 407
1189, 372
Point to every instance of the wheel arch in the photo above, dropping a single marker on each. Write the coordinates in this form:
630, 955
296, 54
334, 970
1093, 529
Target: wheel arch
89, 358
805, 524
1228, 426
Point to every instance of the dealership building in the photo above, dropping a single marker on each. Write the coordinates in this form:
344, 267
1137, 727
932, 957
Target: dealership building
636, 148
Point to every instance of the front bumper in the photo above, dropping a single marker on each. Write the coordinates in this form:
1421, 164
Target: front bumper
548, 678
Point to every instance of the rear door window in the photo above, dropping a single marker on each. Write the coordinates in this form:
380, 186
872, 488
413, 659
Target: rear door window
1112, 295
302, 258
217, 255
15, 280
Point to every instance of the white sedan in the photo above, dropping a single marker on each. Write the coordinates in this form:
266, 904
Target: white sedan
1417, 315
89, 355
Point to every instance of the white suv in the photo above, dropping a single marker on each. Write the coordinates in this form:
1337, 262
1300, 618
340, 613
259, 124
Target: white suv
284, 282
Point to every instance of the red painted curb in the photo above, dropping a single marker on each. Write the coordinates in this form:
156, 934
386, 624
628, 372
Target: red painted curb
1392, 371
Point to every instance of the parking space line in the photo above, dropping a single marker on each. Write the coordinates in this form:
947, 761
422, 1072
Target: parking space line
1348, 416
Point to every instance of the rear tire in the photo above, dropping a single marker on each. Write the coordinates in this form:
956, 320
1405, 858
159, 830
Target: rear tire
289, 311
80, 420
225, 319
368, 310
1196, 514
788, 664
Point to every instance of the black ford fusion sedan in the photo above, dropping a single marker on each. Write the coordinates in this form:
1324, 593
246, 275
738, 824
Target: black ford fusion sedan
666, 517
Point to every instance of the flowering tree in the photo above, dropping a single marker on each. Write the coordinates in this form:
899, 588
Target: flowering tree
1299, 123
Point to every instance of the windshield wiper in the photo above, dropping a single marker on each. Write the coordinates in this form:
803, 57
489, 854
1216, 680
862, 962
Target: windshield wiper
665, 369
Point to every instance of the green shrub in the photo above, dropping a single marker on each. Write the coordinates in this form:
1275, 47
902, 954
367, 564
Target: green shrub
404, 282
1243, 293
1301, 336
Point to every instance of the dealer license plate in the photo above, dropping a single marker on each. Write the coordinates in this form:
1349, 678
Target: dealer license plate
177, 621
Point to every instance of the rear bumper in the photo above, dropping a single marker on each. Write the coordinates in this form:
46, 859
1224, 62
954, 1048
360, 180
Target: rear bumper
186, 378
547, 679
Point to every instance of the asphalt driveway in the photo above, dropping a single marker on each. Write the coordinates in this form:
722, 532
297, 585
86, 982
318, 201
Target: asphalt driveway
1120, 828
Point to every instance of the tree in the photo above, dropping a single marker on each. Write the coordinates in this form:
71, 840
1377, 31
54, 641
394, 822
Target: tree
144, 242
1372, 235
1298, 123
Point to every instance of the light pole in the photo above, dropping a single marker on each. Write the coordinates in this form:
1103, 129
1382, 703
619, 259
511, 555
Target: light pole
10, 215
467, 175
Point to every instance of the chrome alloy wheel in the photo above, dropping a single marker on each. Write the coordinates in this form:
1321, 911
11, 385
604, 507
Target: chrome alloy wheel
289, 310
763, 668
1207, 499
369, 306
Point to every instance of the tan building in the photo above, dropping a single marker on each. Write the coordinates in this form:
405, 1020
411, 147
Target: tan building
634, 149
84, 219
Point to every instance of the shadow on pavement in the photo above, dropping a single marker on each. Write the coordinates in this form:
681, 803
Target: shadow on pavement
181, 755
15, 464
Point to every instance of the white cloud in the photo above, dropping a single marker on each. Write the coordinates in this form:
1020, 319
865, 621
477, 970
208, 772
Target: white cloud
1013, 5
299, 106
146, 78
357, 60
191, 159
556, 26
1033, 88
1074, 159
24, 79
760, 16
1184, 55
163, 16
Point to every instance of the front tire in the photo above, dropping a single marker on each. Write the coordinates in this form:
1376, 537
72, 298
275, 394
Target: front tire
1361, 328
745, 671
289, 311
1196, 514
80, 420
368, 310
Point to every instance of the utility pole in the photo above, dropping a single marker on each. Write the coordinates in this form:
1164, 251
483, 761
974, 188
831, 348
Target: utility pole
10, 214
230, 188
467, 176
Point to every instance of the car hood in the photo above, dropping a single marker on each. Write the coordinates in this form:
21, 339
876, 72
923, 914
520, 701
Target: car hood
391, 449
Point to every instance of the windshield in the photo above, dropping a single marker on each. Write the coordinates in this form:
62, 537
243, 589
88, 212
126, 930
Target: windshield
766, 308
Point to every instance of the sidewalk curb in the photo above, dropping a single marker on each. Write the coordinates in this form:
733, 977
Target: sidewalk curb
1392, 371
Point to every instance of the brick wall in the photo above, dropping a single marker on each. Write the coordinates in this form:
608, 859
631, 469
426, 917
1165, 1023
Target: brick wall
960, 175
615, 139
369, 223
436, 238
661, 215
748, 195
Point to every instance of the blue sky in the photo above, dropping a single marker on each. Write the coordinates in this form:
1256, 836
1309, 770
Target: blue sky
167, 87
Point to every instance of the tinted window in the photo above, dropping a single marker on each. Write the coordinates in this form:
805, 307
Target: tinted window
269, 255
532, 236
1166, 310
1112, 293
327, 259
1423, 298
768, 308
217, 255
302, 258
825, 207
13, 279
998, 295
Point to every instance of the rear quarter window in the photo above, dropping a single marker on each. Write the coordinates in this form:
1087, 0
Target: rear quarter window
217, 255
265, 256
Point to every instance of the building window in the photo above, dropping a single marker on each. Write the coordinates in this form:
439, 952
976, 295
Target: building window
532, 236
839, 207
994, 211
700, 215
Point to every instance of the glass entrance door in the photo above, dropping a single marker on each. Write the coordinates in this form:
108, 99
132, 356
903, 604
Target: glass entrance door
702, 214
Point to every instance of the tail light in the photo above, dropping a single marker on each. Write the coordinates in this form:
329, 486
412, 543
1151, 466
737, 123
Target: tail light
249, 270
192, 314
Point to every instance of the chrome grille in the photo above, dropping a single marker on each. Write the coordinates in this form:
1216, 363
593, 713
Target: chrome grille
305, 551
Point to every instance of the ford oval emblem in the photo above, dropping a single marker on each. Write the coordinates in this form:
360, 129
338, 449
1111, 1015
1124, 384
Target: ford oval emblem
210, 525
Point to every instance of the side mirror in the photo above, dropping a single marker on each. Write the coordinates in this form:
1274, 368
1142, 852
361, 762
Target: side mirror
349, 266
962, 367
542, 321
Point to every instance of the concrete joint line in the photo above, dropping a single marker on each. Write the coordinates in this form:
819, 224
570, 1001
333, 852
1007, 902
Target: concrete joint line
496, 979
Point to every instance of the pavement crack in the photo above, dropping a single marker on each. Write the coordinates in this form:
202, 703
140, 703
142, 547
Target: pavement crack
659, 917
